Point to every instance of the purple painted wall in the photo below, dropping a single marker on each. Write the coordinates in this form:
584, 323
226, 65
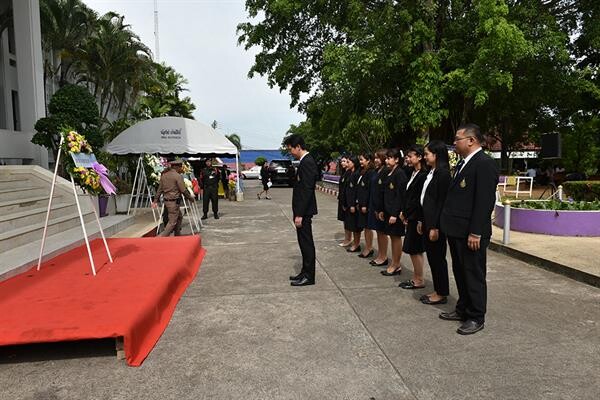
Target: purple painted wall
549, 222
331, 178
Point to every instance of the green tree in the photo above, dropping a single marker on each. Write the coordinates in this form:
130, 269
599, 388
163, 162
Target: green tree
72, 106
235, 139
260, 160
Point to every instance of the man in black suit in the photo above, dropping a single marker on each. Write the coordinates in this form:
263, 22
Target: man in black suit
466, 220
304, 206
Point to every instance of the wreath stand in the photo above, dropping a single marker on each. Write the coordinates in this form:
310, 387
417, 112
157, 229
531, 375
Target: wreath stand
85, 235
140, 185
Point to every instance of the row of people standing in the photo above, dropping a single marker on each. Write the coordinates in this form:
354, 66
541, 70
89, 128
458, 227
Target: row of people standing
409, 209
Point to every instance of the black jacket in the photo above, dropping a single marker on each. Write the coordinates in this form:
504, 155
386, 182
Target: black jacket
377, 193
304, 201
363, 188
412, 202
394, 192
350, 189
342, 188
433, 201
470, 200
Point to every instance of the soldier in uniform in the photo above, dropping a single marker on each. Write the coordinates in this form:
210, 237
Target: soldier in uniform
210, 177
171, 187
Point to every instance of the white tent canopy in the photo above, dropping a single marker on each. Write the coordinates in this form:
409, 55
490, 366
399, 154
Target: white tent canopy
172, 135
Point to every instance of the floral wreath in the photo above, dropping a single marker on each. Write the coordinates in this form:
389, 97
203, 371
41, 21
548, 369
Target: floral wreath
91, 180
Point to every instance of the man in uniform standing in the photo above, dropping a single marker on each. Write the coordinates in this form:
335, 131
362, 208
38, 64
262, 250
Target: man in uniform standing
466, 220
172, 187
210, 177
304, 206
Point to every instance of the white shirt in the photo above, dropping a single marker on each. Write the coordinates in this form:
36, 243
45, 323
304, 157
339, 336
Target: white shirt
412, 177
467, 160
425, 184
303, 155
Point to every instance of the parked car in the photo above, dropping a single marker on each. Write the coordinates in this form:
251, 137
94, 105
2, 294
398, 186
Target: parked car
282, 172
252, 173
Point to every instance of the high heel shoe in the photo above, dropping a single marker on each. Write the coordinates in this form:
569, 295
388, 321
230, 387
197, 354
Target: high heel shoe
375, 264
397, 271
344, 244
369, 254
350, 250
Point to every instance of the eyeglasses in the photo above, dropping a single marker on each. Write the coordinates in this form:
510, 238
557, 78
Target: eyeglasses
456, 139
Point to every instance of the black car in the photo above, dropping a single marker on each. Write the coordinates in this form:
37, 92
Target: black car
282, 172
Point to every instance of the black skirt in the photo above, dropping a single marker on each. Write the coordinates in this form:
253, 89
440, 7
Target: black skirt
351, 222
396, 229
413, 242
361, 219
341, 214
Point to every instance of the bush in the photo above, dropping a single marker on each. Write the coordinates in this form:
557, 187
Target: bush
582, 190
559, 205
260, 160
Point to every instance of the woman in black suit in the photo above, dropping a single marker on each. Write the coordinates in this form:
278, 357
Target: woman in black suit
413, 241
341, 214
363, 198
432, 200
393, 198
376, 205
350, 204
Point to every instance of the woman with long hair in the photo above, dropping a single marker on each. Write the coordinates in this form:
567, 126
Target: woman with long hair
433, 195
413, 241
341, 214
351, 222
376, 205
393, 198
363, 195
265, 177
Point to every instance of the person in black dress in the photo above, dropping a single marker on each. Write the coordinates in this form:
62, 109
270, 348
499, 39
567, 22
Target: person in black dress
265, 177
432, 200
413, 241
341, 214
350, 197
393, 198
376, 199
363, 193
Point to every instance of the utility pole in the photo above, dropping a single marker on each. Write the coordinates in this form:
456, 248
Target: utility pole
156, 48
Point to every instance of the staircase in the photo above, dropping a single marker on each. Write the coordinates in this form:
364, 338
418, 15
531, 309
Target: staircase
24, 194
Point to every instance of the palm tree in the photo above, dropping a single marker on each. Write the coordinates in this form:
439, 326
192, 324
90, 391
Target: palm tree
235, 139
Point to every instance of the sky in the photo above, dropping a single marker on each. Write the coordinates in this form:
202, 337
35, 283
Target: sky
198, 38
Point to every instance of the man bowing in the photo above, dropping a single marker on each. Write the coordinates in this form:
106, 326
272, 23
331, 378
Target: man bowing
304, 206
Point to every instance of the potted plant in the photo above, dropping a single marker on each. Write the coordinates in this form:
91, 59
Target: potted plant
123, 196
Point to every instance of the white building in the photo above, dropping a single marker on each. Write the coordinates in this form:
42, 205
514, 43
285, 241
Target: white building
21, 82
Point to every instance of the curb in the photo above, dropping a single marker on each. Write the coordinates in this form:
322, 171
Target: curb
327, 190
548, 265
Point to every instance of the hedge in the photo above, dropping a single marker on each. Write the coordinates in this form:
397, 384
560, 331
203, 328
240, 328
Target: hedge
582, 190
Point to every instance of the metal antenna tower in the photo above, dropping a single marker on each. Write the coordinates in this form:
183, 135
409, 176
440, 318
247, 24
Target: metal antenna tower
156, 48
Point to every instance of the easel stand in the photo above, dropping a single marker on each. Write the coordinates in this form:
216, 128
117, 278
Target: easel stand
140, 185
85, 235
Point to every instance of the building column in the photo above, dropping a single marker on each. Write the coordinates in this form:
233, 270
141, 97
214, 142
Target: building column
30, 69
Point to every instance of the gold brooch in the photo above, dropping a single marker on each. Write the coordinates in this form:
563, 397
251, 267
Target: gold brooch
298, 177
379, 181
463, 184
391, 185
351, 185
362, 184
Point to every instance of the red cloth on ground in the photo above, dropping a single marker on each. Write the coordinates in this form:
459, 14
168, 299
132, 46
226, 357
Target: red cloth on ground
134, 297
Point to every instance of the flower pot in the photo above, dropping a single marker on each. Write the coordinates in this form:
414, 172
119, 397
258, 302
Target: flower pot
239, 196
122, 201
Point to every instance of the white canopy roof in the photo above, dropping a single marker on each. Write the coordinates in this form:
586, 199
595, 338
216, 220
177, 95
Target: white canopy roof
172, 135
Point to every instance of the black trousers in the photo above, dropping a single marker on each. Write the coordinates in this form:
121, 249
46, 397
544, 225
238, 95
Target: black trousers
436, 257
469, 269
307, 247
210, 194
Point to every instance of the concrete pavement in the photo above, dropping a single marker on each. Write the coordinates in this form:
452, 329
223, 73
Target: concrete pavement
241, 332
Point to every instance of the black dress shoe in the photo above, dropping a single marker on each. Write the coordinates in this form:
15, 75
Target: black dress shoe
216, 216
452, 316
427, 300
350, 250
383, 264
369, 254
470, 327
204, 216
296, 277
304, 281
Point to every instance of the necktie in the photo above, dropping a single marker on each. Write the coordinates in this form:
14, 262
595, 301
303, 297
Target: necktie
458, 167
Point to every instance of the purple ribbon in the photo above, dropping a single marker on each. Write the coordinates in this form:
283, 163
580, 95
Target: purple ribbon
106, 184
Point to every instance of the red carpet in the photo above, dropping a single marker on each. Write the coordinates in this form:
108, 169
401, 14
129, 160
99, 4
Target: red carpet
133, 298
